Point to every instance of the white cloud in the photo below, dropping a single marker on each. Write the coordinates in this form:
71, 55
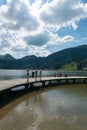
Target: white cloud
62, 13
67, 39
39, 51
46, 37
28, 27
7, 50
18, 16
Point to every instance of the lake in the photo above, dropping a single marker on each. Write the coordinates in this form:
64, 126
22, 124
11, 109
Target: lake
57, 108
13, 74
62, 107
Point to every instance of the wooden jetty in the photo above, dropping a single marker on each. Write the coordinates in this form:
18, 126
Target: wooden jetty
7, 87
14, 83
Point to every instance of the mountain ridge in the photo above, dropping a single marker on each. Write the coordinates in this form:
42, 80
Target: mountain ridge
74, 56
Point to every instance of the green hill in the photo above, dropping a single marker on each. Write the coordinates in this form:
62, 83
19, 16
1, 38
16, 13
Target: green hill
68, 59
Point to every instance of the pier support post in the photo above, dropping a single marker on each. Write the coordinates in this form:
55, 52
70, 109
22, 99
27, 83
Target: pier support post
26, 86
50, 83
43, 84
58, 81
84, 80
32, 87
67, 81
74, 80
3, 96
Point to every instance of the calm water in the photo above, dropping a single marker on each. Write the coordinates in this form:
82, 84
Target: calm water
57, 108
13, 74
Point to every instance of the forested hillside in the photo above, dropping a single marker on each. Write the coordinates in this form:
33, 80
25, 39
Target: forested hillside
67, 59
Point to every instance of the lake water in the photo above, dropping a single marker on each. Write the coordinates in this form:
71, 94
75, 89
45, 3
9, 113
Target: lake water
62, 107
13, 74
57, 108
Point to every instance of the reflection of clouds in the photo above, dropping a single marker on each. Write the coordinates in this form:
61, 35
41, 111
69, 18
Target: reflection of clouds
49, 109
21, 108
18, 119
66, 116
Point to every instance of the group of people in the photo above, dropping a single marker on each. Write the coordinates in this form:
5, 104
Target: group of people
60, 75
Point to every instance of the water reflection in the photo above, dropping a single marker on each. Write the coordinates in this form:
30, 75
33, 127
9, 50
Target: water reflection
62, 108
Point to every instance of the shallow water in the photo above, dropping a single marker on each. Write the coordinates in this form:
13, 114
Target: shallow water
58, 108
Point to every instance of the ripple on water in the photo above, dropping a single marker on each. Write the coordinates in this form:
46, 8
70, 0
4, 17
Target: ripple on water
62, 108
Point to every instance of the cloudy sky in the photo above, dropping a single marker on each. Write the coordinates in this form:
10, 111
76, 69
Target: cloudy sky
41, 27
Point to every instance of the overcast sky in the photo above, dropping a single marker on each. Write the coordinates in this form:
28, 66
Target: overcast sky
41, 27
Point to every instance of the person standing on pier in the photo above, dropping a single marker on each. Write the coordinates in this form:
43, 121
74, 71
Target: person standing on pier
27, 75
40, 74
36, 73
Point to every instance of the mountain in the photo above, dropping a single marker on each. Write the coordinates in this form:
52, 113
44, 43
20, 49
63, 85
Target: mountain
6, 57
68, 59
7, 61
67, 56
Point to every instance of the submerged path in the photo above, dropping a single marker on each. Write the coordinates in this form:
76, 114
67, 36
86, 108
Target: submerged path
8, 84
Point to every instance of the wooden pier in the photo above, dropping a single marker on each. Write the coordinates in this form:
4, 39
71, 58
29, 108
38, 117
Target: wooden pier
8, 87
9, 84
